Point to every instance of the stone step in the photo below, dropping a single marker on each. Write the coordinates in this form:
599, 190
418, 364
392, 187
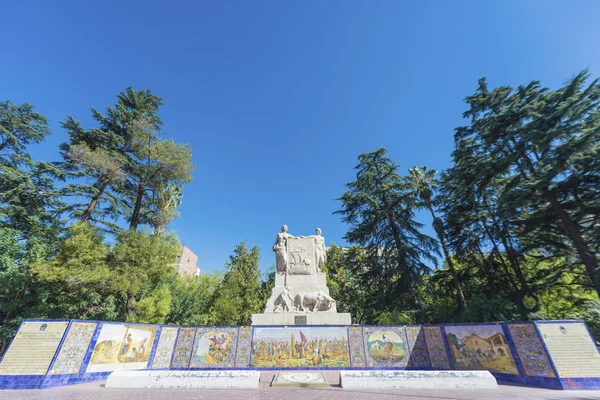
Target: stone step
382, 379
184, 379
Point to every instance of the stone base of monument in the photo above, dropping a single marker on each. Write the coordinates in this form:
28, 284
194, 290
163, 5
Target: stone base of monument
299, 379
314, 318
285, 308
184, 379
381, 379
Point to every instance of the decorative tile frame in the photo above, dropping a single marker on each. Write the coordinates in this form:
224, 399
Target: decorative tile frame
244, 347
183, 348
161, 359
419, 354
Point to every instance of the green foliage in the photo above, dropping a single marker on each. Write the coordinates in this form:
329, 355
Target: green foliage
18, 289
345, 287
379, 207
140, 263
28, 200
192, 299
238, 296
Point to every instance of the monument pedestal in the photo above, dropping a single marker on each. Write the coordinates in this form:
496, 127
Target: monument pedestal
316, 318
277, 313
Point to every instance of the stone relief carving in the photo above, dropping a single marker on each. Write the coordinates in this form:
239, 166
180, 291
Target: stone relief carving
313, 301
284, 302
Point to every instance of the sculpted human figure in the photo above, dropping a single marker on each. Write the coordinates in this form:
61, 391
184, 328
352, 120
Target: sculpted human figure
280, 249
284, 302
321, 249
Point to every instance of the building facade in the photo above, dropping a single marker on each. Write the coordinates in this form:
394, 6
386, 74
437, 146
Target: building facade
186, 263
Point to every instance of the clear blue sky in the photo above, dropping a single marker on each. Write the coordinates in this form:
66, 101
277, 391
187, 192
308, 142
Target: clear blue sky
278, 98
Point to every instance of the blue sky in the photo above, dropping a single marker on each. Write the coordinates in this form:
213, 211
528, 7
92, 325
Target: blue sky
278, 98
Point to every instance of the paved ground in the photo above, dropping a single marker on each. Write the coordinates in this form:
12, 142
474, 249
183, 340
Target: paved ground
96, 391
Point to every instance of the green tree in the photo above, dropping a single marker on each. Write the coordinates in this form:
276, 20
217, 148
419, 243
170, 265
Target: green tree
380, 211
543, 145
342, 269
75, 279
142, 264
423, 182
156, 169
239, 295
28, 200
19, 291
192, 299
97, 158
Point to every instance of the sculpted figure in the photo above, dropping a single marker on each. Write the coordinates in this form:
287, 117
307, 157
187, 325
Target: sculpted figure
284, 303
321, 250
280, 249
313, 301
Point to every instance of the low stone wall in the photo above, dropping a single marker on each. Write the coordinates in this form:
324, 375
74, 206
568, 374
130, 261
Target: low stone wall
551, 354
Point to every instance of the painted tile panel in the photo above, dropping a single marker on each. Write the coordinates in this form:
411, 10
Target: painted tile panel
385, 346
164, 349
72, 352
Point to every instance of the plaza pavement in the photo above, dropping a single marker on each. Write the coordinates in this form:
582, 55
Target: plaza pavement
96, 390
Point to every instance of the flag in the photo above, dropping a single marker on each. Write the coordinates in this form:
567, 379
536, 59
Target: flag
302, 337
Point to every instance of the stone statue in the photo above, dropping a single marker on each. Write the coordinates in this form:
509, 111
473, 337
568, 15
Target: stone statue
313, 301
280, 249
321, 250
300, 294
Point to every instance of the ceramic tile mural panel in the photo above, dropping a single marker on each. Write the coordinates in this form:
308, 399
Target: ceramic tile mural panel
531, 350
183, 348
244, 347
214, 347
417, 347
164, 349
33, 348
572, 349
122, 347
436, 348
300, 347
75, 346
480, 347
357, 347
385, 346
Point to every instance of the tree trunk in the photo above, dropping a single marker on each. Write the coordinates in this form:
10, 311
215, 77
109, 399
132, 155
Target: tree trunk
130, 306
135, 217
459, 293
397, 242
571, 228
90, 209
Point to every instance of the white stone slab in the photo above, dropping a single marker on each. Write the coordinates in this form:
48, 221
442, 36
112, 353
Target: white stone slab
417, 379
314, 318
299, 379
184, 379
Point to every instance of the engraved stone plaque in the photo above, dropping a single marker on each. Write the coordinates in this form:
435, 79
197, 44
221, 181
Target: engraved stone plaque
301, 256
300, 320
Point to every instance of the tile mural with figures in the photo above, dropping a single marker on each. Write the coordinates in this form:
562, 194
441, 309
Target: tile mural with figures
480, 347
385, 346
122, 347
214, 347
300, 347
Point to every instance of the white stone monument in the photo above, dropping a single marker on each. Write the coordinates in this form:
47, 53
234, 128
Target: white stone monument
300, 295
